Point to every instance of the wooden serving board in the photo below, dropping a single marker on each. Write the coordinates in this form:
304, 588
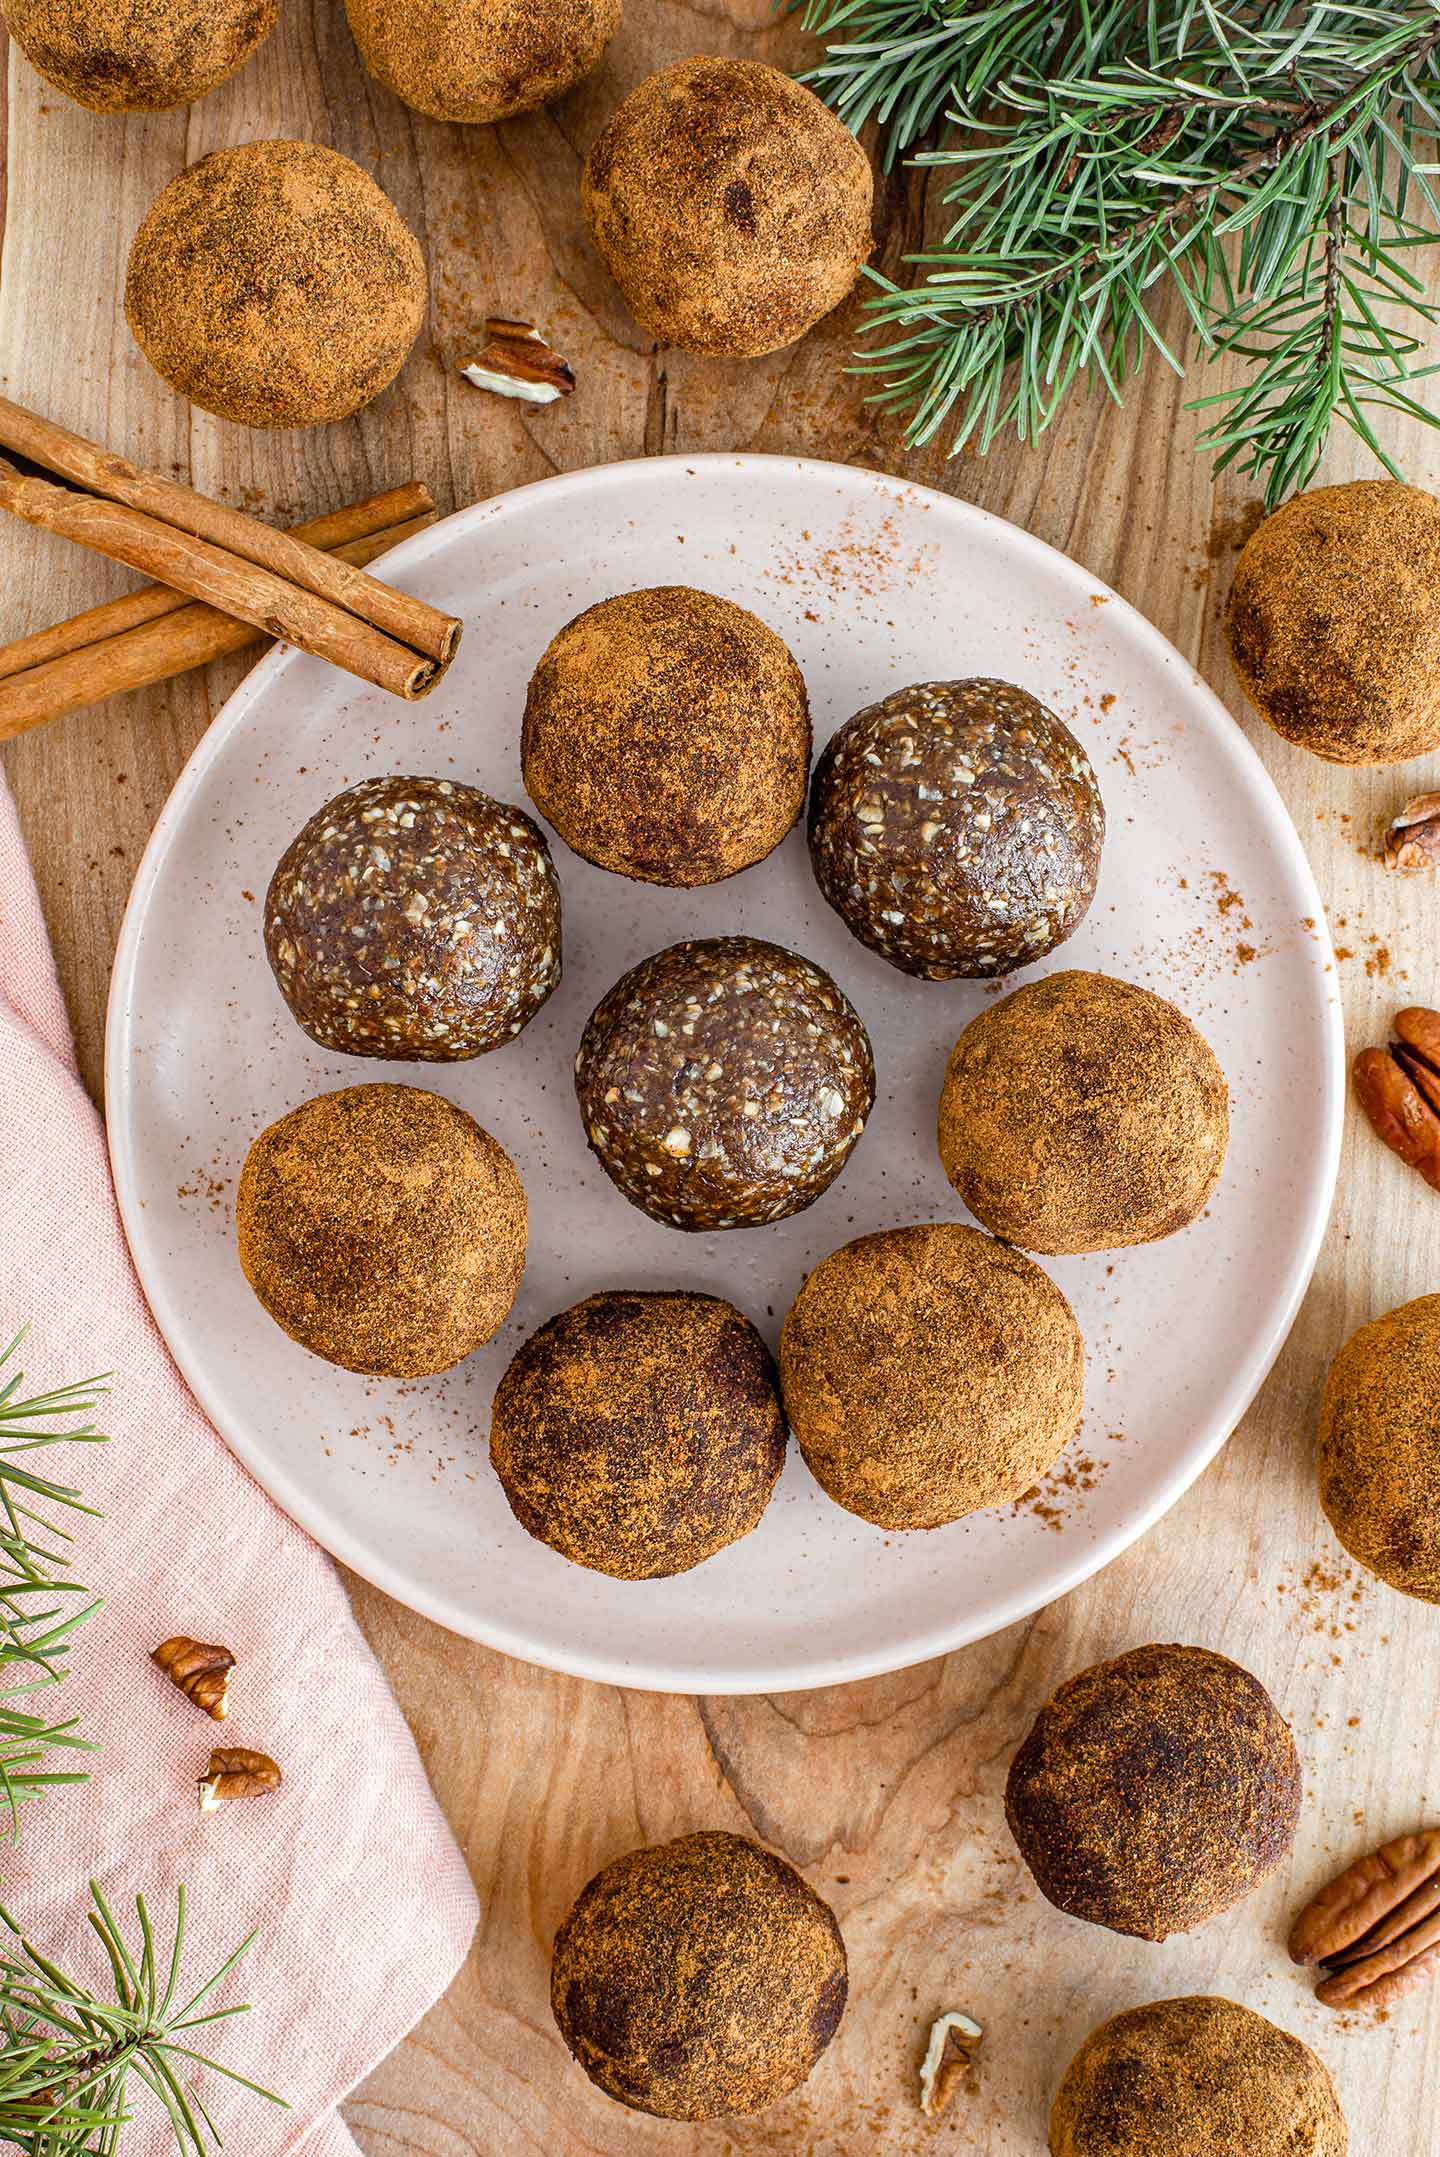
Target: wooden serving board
888, 1793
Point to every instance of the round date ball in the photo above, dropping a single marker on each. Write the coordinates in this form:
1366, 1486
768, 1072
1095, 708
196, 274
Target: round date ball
481, 60
382, 1229
1333, 621
928, 1373
1196, 2078
639, 1433
416, 919
1154, 1791
698, 1979
956, 829
723, 1083
730, 206
1083, 1114
1379, 1451
274, 284
667, 736
117, 56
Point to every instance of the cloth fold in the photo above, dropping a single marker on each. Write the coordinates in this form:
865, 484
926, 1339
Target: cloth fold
363, 1903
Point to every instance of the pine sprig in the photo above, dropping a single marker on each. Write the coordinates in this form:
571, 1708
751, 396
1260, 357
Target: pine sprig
69, 2055
1270, 163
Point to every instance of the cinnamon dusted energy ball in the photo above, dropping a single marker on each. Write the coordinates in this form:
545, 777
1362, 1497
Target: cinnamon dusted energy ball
478, 60
382, 1229
1334, 621
730, 206
120, 56
1379, 1449
275, 284
956, 828
1154, 1791
1196, 2077
667, 736
414, 918
639, 1433
929, 1372
698, 1979
1083, 1114
723, 1083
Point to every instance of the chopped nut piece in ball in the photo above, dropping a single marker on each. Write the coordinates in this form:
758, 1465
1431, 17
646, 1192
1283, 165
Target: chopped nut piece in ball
481, 60
120, 56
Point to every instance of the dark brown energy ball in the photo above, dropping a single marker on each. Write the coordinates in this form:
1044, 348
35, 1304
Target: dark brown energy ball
723, 1083
956, 828
1334, 621
698, 1979
274, 284
1196, 2078
382, 1229
730, 206
1082, 1114
138, 55
1379, 1451
480, 60
929, 1372
667, 736
1154, 1791
414, 918
639, 1433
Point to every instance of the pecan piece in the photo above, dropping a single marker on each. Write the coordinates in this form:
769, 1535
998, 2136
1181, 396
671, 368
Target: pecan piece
1413, 839
515, 361
1375, 1930
200, 1668
949, 2051
236, 1772
1399, 1090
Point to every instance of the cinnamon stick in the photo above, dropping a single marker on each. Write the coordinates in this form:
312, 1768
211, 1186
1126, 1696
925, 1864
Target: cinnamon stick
398, 615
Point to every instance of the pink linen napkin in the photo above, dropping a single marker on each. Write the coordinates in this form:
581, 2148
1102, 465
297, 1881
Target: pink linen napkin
363, 1902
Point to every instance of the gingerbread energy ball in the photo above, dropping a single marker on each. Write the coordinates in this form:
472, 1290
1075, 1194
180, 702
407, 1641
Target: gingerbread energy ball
956, 828
928, 1373
479, 60
723, 1083
1334, 621
1154, 1791
414, 918
382, 1229
1379, 1449
1082, 1114
730, 206
117, 56
1196, 2078
274, 284
667, 736
639, 1433
698, 1979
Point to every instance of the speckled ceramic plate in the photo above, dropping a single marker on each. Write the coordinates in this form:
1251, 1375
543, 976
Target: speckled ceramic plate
1204, 895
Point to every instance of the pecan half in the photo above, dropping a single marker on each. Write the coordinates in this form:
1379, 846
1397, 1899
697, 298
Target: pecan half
1399, 1090
949, 2051
200, 1668
1375, 1930
236, 1772
1413, 839
515, 361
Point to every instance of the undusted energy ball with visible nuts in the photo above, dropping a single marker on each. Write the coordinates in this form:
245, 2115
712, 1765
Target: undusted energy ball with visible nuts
1196, 2078
382, 1229
928, 1373
1334, 621
274, 284
639, 1433
1379, 1449
667, 736
1154, 1791
723, 1083
1083, 1114
699, 1979
117, 56
481, 60
730, 206
414, 918
956, 828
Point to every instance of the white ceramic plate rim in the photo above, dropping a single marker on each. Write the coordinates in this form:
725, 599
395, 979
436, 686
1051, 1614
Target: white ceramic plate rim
818, 1669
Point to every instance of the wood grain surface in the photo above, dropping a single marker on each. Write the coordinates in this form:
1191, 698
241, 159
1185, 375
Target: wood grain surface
888, 1793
